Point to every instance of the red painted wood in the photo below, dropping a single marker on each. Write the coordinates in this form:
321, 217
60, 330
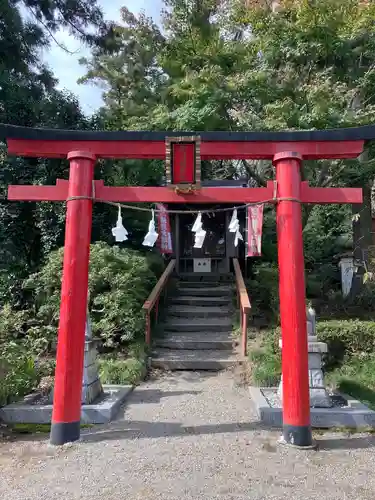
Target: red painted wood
148, 329
209, 150
215, 195
296, 403
183, 163
167, 195
330, 195
131, 194
244, 321
40, 193
73, 308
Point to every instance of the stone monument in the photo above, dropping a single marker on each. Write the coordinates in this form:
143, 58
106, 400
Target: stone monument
319, 397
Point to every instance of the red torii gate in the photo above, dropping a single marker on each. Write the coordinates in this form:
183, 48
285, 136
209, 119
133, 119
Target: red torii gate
285, 149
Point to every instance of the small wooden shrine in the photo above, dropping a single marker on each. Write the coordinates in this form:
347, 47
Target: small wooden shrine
218, 248
183, 173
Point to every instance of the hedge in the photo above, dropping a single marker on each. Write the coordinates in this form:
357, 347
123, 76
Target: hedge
348, 341
346, 338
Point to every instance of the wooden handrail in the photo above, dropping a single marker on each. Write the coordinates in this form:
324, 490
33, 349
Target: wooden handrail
153, 298
241, 288
244, 302
158, 288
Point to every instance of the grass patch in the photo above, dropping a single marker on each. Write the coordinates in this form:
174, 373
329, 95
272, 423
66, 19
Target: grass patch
265, 359
356, 377
37, 428
353, 372
114, 369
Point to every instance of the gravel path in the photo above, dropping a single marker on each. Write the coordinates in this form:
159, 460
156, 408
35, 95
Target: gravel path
182, 437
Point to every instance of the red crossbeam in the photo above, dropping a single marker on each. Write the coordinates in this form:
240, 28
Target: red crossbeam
207, 195
209, 150
320, 195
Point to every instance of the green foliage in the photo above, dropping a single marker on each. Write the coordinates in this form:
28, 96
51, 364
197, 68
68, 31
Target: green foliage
358, 306
350, 358
121, 371
346, 339
120, 280
18, 374
263, 290
130, 368
266, 360
29, 97
356, 377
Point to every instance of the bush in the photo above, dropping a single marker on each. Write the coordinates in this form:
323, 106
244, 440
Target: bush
119, 282
360, 306
264, 291
18, 374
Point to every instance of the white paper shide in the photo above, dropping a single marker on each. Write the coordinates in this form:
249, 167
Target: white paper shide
152, 235
200, 233
119, 232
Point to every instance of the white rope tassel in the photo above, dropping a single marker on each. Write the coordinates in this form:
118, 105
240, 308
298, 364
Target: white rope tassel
119, 232
152, 235
234, 227
200, 233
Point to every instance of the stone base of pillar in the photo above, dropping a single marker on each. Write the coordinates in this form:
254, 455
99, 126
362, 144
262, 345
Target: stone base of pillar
319, 397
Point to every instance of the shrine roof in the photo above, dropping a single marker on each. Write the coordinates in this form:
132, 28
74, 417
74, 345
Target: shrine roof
363, 133
225, 183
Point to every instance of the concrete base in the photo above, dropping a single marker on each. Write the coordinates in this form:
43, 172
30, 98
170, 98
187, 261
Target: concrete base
355, 416
28, 412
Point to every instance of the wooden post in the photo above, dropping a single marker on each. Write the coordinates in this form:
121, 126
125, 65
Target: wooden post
66, 414
148, 329
156, 310
177, 242
296, 401
244, 332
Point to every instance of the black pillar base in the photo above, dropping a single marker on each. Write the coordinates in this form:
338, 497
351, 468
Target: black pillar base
296, 435
63, 432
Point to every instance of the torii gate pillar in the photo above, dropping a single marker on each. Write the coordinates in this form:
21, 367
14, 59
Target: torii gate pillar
296, 399
66, 415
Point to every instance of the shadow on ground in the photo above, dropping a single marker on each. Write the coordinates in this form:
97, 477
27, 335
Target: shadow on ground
343, 443
143, 429
153, 396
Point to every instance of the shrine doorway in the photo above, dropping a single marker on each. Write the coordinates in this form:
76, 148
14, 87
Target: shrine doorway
218, 247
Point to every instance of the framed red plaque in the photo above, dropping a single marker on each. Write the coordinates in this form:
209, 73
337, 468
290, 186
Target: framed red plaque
183, 162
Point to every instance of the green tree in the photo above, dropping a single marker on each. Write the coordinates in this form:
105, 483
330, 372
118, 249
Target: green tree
235, 65
28, 97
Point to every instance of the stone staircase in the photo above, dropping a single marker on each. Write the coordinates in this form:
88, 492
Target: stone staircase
197, 334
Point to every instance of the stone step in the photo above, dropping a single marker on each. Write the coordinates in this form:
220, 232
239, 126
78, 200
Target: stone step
199, 311
218, 291
203, 284
198, 325
222, 277
197, 341
213, 360
201, 301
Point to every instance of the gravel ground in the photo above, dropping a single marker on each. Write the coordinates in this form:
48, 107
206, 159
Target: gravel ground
182, 437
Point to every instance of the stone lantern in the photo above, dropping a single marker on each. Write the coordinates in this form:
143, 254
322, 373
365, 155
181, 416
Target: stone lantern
319, 397
91, 385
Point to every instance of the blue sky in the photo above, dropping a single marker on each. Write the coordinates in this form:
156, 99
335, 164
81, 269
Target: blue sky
66, 67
